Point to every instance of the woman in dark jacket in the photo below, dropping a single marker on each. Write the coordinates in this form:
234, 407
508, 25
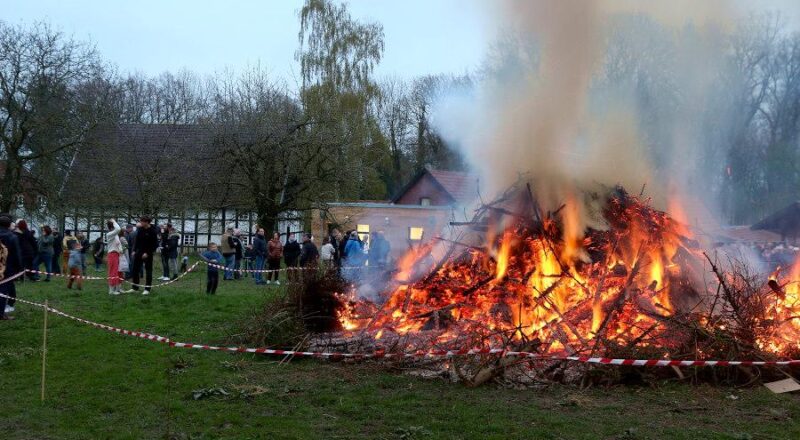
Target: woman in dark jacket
291, 255
27, 246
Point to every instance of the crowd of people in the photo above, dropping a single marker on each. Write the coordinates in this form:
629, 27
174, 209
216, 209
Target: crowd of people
129, 253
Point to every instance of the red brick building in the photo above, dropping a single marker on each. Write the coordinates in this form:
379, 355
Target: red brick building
416, 214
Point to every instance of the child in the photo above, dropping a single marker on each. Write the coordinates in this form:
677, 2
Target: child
75, 265
213, 256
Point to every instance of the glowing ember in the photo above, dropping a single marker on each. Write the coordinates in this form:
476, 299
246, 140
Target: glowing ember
541, 278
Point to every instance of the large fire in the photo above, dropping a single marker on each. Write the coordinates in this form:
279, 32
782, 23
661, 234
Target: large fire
642, 283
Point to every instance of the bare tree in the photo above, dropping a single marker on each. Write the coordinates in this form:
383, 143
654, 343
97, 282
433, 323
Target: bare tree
52, 93
263, 139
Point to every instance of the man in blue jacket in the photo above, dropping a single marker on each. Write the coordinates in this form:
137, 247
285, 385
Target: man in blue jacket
13, 263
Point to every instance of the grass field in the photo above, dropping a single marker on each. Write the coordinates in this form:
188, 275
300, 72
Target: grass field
102, 385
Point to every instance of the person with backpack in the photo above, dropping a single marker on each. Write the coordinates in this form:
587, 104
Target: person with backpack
10, 265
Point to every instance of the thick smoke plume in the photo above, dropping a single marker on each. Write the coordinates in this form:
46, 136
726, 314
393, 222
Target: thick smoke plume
548, 105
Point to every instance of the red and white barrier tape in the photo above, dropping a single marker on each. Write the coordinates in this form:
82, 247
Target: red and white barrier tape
417, 354
51, 274
95, 278
12, 277
165, 283
284, 269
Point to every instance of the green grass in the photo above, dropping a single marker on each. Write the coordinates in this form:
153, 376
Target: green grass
103, 385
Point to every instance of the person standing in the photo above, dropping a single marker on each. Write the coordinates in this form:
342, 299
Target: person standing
274, 254
227, 250
115, 252
66, 248
239, 253
84, 242
260, 253
174, 243
379, 251
27, 247
163, 237
46, 250
145, 245
291, 256
98, 250
328, 254
58, 249
309, 257
74, 265
13, 266
335, 239
213, 256
354, 256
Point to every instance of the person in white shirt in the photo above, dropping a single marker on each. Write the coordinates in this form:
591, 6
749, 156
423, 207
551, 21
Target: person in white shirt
328, 254
114, 249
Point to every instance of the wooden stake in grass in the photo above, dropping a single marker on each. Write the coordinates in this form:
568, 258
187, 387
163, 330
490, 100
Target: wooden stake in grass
44, 348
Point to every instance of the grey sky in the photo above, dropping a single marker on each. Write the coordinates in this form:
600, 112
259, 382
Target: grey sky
151, 36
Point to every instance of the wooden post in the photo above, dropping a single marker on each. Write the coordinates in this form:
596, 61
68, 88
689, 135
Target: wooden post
44, 348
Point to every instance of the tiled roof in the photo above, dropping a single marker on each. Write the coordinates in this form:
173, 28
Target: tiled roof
127, 159
462, 187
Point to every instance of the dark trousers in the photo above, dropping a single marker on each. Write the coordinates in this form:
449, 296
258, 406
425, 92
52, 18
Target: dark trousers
165, 264
212, 281
27, 262
147, 263
275, 265
55, 264
7, 289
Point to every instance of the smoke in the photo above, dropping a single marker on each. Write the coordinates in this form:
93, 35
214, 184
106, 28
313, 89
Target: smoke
562, 99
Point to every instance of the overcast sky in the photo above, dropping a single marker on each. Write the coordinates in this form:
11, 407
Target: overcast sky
151, 36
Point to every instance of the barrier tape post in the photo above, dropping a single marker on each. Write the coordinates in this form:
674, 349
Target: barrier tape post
44, 348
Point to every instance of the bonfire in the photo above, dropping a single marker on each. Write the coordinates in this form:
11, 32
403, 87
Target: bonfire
637, 284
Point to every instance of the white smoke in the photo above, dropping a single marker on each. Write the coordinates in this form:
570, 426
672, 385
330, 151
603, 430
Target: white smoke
549, 107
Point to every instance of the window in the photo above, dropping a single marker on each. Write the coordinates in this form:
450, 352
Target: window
20, 202
189, 240
425, 201
415, 233
363, 232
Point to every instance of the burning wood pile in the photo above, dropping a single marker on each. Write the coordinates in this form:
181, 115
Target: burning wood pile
520, 278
